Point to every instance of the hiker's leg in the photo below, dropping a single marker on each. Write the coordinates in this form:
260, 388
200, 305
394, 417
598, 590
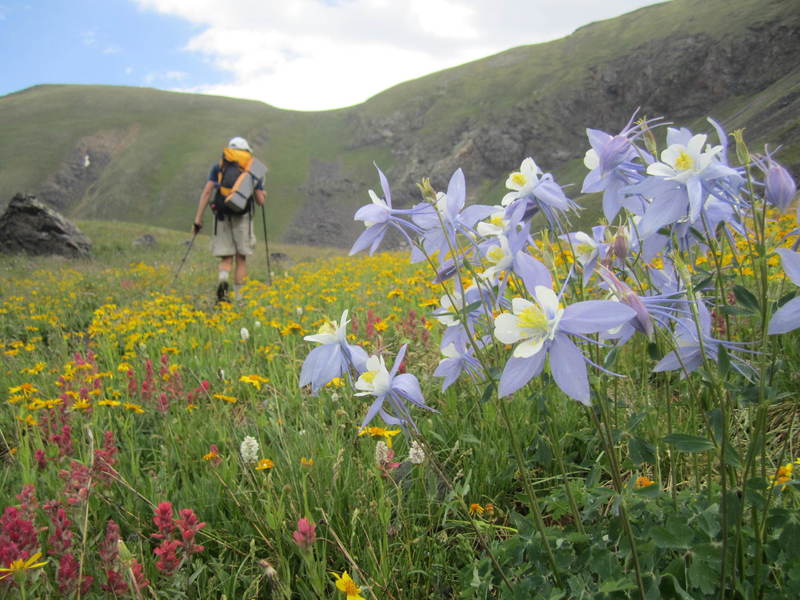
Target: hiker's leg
241, 274
241, 269
225, 264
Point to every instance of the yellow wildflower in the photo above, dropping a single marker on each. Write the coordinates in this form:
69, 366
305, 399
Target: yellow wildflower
344, 583
306, 462
476, 509
386, 434
254, 380
22, 565
229, 399
263, 464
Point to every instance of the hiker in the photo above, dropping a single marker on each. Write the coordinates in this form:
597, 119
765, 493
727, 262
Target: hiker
236, 181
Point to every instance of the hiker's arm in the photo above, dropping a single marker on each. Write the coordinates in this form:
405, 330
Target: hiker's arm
202, 203
260, 197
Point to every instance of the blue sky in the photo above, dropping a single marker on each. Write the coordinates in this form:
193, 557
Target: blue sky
97, 42
298, 54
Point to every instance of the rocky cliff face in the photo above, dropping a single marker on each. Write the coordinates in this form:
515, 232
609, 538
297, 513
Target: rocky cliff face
682, 77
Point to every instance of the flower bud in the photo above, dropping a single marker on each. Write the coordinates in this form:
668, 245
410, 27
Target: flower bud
781, 188
742, 153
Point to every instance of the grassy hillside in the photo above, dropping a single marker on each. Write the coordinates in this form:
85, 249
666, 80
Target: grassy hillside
150, 150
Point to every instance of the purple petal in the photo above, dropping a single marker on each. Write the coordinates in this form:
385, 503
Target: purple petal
408, 387
786, 318
322, 364
664, 210
519, 371
694, 188
592, 316
450, 369
398, 360
791, 264
569, 370
376, 406
387, 193
369, 237
456, 192
532, 271
372, 212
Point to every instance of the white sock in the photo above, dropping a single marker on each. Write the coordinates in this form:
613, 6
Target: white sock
223, 275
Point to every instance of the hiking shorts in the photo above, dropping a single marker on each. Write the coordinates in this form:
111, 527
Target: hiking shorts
234, 236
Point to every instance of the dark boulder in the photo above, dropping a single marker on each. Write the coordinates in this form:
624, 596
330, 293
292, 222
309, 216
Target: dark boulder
30, 227
145, 241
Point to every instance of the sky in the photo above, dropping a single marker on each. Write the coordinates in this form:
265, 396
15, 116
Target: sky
294, 54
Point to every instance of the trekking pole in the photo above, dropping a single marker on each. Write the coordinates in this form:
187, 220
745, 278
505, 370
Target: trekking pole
266, 243
185, 256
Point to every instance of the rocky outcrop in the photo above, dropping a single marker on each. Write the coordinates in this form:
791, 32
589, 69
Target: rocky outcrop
30, 227
83, 167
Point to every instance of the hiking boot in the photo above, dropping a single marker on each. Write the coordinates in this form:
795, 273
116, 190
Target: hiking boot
222, 292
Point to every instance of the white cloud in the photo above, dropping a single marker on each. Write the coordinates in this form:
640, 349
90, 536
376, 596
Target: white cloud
319, 54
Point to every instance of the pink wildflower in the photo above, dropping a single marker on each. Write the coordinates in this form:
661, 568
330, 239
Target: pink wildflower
305, 535
168, 561
162, 518
188, 525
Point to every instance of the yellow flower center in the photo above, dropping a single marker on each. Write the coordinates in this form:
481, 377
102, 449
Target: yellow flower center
496, 254
369, 376
519, 179
496, 220
350, 587
533, 319
328, 327
684, 162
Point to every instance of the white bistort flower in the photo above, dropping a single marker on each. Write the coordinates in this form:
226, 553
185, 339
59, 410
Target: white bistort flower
249, 450
416, 455
381, 453
244, 334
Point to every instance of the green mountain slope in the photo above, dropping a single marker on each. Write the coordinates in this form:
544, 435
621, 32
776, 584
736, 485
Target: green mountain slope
149, 151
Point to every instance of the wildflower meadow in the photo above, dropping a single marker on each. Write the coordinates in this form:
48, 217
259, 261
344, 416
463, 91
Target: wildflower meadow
510, 406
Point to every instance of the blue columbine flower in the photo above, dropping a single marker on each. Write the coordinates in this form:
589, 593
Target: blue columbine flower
531, 191
506, 254
333, 358
588, 249
688, 355
379, 216
442, 222
390, 388
457, 359
544, 327
680, 182
611, 161
787, 317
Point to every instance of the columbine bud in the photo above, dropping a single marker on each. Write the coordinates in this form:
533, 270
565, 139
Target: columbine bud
781, 188
257, 324
742, 153
427, 191
621, 244
649, 139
